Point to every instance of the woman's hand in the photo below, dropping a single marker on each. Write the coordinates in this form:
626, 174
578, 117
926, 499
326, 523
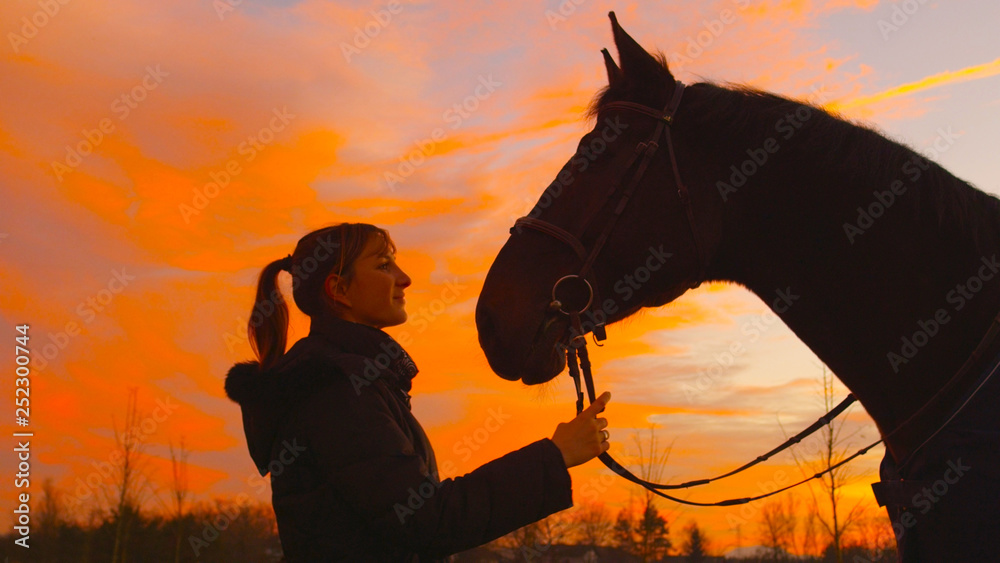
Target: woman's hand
584, 437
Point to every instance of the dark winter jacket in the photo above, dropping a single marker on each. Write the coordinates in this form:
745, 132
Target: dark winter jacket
353, 475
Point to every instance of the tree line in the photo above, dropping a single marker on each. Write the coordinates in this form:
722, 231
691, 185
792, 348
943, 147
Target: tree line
118, 523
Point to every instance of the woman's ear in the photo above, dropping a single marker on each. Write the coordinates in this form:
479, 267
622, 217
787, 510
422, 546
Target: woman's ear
336, 291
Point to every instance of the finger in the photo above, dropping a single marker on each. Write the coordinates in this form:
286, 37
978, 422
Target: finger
602, 423
598, 405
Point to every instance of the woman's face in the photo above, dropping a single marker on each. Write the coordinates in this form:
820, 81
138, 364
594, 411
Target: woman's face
375, 294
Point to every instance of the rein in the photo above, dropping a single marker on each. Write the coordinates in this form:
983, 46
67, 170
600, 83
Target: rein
573, 351
576, 347
656, 488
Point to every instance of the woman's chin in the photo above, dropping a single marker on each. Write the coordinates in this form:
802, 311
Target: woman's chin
398, 317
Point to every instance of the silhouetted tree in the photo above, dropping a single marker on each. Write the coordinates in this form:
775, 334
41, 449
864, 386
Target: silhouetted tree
593, 525
51, 518
623, 535
130, 443
831, 447
654, 534
694, 545
534, 541
647, 533
178, 465
776, 526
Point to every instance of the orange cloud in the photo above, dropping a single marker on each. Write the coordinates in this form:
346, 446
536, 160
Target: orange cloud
975, 72
866, 5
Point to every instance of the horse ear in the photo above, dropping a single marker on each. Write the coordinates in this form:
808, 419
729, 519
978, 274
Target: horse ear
614, 73
636, 62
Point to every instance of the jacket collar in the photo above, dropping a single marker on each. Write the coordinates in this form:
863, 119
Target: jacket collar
265, 396
368, 341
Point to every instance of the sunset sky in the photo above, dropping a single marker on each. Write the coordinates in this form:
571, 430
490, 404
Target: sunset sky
118, 118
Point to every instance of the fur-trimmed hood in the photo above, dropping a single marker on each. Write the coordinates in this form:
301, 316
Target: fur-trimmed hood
267, 396
243, 382
263, 405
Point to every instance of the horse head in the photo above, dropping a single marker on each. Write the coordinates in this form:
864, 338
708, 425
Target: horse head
628, 228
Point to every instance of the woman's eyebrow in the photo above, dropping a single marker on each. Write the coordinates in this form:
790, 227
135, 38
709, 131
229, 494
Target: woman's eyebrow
379, 254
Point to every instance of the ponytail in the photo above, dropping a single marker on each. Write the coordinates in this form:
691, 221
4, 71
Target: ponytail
318, 254
268, 326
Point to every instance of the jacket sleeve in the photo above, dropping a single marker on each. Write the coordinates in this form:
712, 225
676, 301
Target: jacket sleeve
361, 449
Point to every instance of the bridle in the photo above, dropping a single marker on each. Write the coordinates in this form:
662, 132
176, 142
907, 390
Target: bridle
576, 343
644, 151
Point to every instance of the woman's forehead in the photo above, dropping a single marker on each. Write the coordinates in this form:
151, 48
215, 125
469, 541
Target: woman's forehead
377, 248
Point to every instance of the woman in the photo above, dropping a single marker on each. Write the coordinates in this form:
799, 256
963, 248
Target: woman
353, 476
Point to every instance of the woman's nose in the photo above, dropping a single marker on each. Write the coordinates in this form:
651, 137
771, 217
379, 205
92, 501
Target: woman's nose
403, 280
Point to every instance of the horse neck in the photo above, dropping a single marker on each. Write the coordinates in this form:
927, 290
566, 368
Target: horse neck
857, 288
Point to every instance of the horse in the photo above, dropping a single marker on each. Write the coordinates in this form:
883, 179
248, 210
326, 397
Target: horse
881, 261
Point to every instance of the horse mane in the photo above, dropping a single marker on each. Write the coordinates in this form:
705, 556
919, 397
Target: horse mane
863, 154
